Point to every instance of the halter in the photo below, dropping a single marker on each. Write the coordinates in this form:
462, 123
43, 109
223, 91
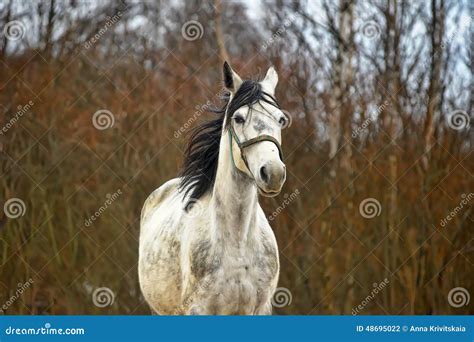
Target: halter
245, 144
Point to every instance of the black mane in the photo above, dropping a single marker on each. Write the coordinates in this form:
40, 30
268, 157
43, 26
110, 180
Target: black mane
200, 161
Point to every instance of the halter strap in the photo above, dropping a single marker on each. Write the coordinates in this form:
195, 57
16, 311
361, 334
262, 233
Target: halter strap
245, 144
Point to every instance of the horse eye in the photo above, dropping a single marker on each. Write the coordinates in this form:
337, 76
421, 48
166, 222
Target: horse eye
239, 119
282, 121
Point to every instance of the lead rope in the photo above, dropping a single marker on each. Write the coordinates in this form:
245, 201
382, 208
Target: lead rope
230, 147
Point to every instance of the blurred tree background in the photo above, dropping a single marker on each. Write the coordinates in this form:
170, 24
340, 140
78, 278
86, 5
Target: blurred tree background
97, 99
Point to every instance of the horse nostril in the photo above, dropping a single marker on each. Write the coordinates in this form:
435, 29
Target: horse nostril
263, 174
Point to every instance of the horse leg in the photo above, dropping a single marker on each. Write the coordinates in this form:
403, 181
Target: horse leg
264, 310
196, 310
153, 312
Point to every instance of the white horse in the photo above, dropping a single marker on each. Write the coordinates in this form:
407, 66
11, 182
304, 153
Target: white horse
206, 247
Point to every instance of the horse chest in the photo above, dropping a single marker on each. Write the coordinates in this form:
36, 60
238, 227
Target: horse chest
243, 280
255, 267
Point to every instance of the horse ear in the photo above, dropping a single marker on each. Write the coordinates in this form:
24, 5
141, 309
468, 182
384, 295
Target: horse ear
270, 81
232, 81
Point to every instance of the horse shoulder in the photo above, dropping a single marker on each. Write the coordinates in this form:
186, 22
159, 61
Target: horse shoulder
198, 247
158, 196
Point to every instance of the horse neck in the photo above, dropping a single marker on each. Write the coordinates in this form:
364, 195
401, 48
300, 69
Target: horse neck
234, 200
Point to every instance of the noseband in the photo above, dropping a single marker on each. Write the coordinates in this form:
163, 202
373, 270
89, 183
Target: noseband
244, 144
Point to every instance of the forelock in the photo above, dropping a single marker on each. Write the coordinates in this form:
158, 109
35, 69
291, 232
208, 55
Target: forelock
249, 93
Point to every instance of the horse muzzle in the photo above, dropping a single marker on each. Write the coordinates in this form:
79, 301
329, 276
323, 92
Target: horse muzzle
271, 177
